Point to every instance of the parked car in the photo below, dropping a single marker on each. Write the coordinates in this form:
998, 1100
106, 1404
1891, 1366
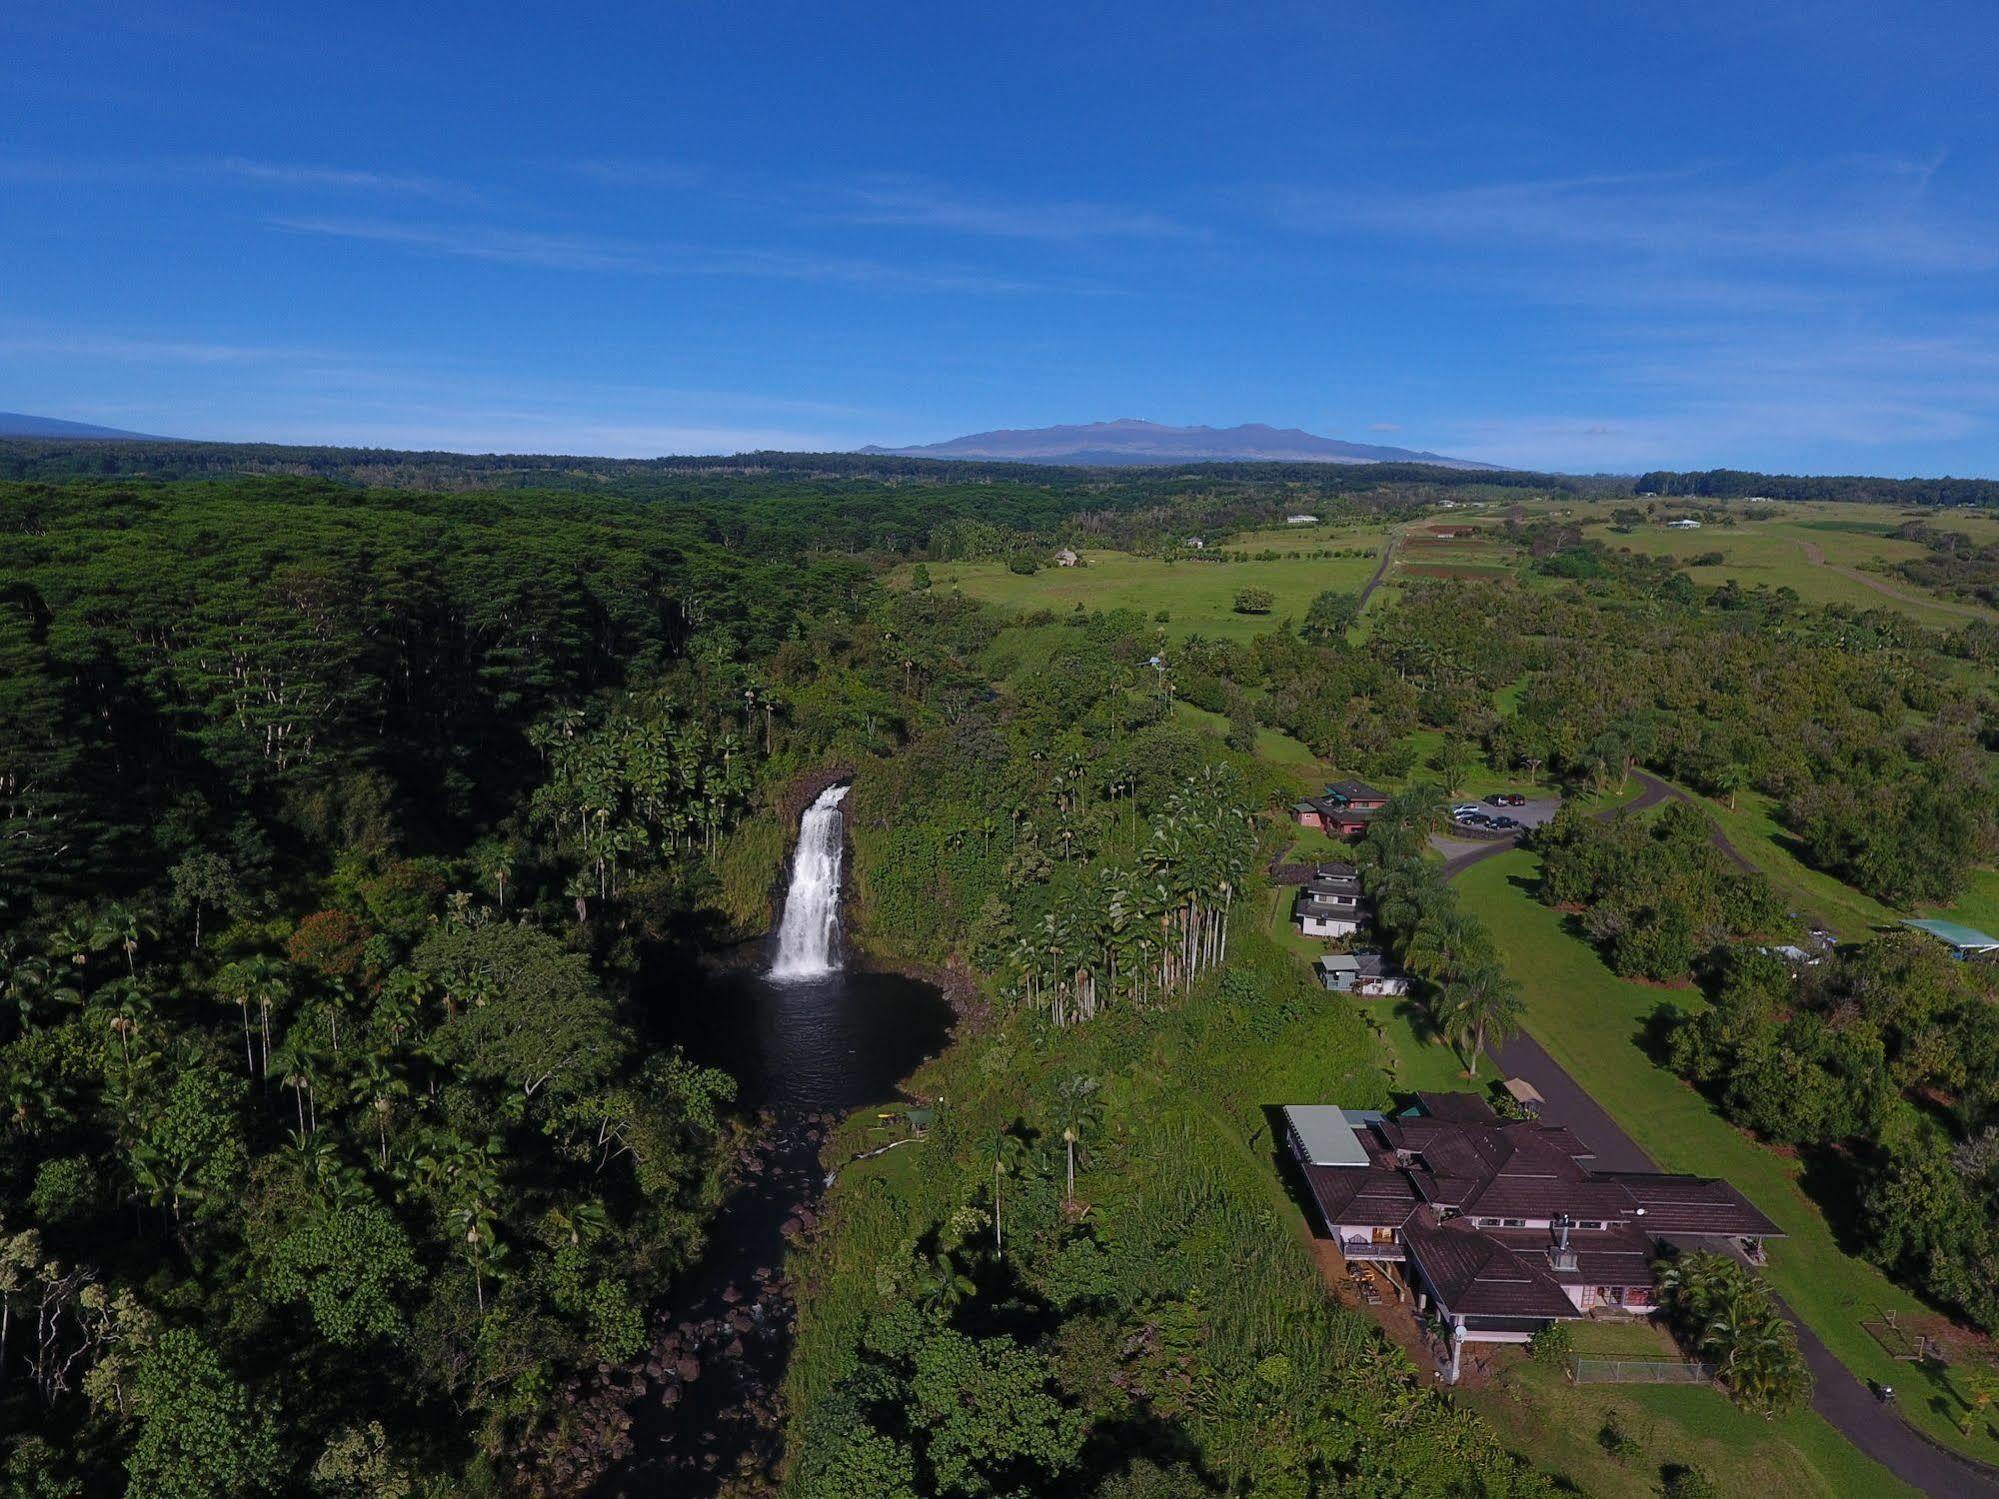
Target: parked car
1507, 799
1465, 809
1476, 820
1504, 822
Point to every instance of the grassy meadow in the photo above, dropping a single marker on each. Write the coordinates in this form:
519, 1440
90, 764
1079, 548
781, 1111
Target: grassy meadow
1197, 595
1774, 546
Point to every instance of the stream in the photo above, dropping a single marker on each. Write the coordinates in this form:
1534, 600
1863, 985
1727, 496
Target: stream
809, 1040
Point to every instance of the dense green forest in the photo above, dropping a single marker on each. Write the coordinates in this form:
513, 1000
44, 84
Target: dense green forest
1736, 484
344, 1151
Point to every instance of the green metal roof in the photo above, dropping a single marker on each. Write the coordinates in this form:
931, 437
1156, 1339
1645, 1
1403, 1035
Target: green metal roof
1957, 935
1324, 1134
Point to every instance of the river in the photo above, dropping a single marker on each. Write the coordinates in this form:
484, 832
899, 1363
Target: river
807, 1048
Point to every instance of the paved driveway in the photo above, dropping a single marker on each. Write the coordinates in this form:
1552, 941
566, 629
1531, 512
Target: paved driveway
1837, 1395
1459, 853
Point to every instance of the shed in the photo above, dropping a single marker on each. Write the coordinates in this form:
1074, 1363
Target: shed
1525, 1094
1965, 941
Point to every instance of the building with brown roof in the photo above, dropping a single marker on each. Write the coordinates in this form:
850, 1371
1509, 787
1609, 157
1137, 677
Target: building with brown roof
1503, 1226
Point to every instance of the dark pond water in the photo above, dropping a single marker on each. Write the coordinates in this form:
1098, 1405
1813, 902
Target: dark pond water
805, 1053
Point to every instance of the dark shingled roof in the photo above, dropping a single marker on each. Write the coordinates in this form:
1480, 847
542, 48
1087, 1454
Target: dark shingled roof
1367, 1196
1436, 1174
1692, 1205
1474, 1274
1620, 1255
1466, 1108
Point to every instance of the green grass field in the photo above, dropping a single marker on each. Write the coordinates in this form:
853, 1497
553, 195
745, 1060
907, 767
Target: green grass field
1199, 597
1593, 1023
1555, 1423
1772, 546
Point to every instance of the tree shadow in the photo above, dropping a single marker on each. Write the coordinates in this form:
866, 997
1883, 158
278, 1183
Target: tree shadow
1835, 1180
1654, 1035
1289, 1172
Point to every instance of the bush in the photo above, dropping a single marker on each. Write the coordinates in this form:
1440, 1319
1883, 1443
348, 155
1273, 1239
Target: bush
1614, 1439
1689, 1483
1254, 601
1552, 1346
1027, 567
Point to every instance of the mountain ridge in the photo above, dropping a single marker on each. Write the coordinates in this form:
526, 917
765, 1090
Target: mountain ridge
1130, 440
21, 424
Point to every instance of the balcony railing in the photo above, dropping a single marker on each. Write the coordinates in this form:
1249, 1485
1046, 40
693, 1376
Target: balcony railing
1370, 1249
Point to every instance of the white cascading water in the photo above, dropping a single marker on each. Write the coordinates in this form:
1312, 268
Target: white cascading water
805, 938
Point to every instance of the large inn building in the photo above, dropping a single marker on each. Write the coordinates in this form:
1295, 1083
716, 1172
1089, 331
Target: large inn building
1501, 1227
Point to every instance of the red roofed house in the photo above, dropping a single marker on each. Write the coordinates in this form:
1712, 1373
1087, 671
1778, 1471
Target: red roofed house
1502, 1227
1343, 812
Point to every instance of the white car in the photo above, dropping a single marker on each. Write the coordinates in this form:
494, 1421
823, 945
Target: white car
1465, 809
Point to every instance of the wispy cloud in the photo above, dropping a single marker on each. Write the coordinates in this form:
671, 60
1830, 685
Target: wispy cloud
921, 204
479, 242
624, 172
1384, 426
596, 253
1871, 213
346, 179
120, 349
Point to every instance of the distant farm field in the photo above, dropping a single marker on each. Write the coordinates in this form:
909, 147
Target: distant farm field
1826, 559
1198, 596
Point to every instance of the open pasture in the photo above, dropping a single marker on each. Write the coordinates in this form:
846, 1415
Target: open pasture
1825, 557
1197, 595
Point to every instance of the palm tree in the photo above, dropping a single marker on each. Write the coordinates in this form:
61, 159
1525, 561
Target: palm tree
1444, 943
123, 929
1077, 1110
1480, 1001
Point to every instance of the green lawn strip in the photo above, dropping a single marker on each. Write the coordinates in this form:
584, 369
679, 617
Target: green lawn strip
1590, 1022
1418, 1060
1633, 1339
1555, 1424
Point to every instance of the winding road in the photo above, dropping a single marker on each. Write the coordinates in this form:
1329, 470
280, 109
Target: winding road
1838, 1396
1380, 571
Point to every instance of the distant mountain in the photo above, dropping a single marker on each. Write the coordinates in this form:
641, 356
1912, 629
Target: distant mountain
15, 424
1130, 441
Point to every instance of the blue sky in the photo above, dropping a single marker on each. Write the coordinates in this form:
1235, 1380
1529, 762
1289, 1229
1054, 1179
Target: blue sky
1582, 236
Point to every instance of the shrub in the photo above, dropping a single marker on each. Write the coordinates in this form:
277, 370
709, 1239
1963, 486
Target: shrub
1552, 1346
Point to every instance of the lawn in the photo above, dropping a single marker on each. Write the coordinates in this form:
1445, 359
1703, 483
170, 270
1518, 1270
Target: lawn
1592, 1023
1198, 596
1555, 1424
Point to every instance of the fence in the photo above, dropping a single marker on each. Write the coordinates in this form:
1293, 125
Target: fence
1638, 1371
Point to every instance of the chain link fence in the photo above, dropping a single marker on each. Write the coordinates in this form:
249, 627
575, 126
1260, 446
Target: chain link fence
1638, 1371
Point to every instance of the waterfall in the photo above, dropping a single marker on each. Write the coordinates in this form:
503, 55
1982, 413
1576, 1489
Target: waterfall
812, 907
